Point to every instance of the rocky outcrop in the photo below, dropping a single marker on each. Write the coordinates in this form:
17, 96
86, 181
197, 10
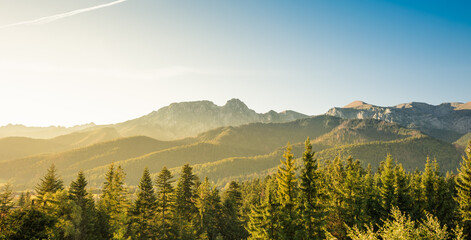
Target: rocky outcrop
447, 121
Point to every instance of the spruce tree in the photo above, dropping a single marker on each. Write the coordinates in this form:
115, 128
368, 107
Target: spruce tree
287, 193
165, 203
310, 196
113, 204
463, 187
50, 183
185, 209
231, 223
83, 199
387, 187
208, 204
402, 198
144, 209
264, 220
6, 204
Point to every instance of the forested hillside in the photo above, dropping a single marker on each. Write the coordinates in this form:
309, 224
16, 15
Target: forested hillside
231, 153
302, 199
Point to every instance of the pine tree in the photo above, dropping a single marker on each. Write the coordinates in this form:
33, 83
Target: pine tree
87, 226
402, 197
463, 187
50, 183
165, 203
113, 204
231, 224
264, 220
387, 187
185, 209
310, 196
6, 204
208, 204
287, 193
143, 211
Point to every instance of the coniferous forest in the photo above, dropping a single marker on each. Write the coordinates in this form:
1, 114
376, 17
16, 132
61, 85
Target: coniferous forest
335, 199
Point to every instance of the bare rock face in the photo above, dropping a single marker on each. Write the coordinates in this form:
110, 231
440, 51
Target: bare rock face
447, 121
188, 119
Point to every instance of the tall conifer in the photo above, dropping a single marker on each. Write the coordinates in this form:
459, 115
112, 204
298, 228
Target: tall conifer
463, 187
50, 183
144, 209
310, 195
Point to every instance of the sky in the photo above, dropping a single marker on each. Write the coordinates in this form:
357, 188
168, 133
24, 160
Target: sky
68, 62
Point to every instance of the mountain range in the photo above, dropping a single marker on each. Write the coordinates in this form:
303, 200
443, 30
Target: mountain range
233, 142
447, 121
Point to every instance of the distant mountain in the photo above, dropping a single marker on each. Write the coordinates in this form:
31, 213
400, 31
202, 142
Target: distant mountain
11, 130
17, 147
247, 150
447, 121
188, 119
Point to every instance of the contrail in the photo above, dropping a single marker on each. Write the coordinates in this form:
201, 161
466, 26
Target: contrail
52, 18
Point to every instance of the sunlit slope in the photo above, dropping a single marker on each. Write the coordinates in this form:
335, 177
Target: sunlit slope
18, 147
245, 147
462, 142
25, 171
411, 152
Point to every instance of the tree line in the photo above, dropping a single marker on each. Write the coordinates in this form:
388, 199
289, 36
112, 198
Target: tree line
337, 199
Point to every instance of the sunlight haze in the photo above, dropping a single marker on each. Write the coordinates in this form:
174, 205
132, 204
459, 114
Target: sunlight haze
74, 62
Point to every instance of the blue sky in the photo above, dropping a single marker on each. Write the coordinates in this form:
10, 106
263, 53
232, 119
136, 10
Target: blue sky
122, 61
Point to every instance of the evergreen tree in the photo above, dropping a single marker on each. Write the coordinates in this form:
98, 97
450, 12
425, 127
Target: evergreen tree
6, 204
87, 227
264, 220
310, 196
231, 223
287, 193
185, 209
50, 183
371, 203
113, 204
463, 187
165, 203
28, 223
387, 187
402, 197
209, 207
144, 209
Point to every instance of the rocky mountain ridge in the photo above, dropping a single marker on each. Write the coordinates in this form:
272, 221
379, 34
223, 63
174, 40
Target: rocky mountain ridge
188, 119
446, 121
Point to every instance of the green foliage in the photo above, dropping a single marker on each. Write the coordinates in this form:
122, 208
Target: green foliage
28, 223
165, 204
185, 209
463, 187
142, 213
114, 203
50, 183
87, 227
400, 226
311, 196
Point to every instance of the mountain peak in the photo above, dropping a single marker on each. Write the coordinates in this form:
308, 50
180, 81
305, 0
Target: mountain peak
235, 102
464, 106
358, 105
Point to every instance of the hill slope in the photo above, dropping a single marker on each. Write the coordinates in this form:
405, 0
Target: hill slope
17, 147
241, 142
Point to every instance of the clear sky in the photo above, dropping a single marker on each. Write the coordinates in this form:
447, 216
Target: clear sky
67, 62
